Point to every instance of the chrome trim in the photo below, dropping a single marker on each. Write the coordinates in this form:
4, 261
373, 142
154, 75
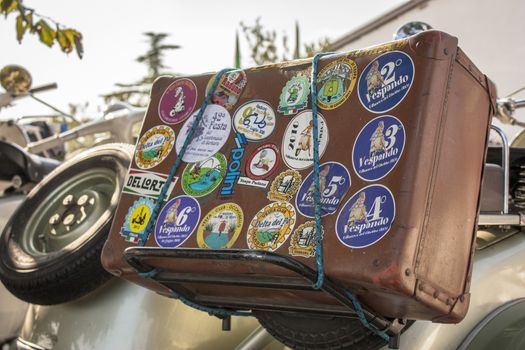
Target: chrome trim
21, 344
500, 219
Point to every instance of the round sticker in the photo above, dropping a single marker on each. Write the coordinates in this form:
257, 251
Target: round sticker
262, 162
335, 83
229, 89
137, 219
304, 239
201, 178
178, 101
221, 227
209, 137
294, 95
334, 181
177, 221
297, 147
271, 226
386, 81
154, 146
255, 119
366, 217
378, 147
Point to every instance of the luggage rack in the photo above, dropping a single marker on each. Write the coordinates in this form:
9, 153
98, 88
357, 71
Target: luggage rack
136, 257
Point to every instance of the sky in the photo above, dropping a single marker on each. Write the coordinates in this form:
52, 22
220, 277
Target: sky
112, 32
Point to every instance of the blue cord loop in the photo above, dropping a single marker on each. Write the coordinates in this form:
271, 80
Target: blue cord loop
317, 186
143, 238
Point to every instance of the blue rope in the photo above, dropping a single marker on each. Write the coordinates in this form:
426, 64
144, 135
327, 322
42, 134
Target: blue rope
143, 238
317, 206
317, 186
210, 310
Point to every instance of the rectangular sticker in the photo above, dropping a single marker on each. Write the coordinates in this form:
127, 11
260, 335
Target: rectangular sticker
250, 182
147, 183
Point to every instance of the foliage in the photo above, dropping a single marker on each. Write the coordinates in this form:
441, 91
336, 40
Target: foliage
138, 93
264, 47
29, 21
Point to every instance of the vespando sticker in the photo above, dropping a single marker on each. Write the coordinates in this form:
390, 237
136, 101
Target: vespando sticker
366, 217
378, 147
386, 81
334, 181
177, 221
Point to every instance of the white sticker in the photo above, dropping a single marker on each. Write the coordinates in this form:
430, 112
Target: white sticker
209, 137
298, 147
255, 119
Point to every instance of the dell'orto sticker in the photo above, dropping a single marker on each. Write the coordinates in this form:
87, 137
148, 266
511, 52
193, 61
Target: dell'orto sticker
255, 119
298, 144
378, 147
177, 221
366, 217
221, 227
154, 146
209, 136
178, 101
229, 88
334, 182
386, 81
201, 178
335, 83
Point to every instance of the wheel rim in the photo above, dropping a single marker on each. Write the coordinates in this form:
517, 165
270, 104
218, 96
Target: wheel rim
68, 211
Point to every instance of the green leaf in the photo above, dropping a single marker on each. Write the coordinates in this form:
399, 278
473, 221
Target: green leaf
75, 37
45, 32
63, 40
7, 6
20, 28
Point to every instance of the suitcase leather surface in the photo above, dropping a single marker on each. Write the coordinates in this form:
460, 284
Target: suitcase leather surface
404, 129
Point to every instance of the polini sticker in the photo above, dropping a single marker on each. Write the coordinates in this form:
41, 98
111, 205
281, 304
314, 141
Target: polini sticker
137, 219
221, 227
386, 81
234, 166
154, 146
303, 240
147, 183
294, 96
366, 217
178, 101
297, 147
271, 226
254, 119
263, 162
229, 89
334, 180
176, 221
378, 147
336, 82
284, 186
209, 136
201, 178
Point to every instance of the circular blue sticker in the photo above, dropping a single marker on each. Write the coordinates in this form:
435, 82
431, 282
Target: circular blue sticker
177, 221
378, 147
386, 81
334, 180
366, 217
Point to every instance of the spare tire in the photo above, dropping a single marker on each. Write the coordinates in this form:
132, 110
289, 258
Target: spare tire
304, 331
50, 248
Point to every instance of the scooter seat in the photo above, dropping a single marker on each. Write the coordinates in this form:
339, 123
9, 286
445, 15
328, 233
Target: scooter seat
17, 161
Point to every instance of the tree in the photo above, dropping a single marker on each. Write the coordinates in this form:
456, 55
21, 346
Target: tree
28, 20
138, 93
264, 47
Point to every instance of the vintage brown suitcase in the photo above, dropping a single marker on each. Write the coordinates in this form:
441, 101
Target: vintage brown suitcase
402, 137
